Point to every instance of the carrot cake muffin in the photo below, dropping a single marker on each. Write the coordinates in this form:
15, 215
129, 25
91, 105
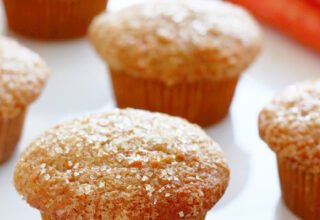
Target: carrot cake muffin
126, 164
22, 75
181, 57
52, 19
290, 125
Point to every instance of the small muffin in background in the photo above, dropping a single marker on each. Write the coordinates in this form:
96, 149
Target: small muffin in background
22, 76
52, 19
290, 125
125, 164
181, 57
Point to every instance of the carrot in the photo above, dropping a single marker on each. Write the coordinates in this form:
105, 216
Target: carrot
316, 2
298, 18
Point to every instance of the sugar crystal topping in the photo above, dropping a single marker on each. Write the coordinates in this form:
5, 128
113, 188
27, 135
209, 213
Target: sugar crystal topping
177, 40
128, 162
22, 76
290, 124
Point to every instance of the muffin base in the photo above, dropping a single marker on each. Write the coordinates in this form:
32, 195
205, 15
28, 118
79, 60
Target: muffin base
202, 217
10, 132
203, 102
300, 189
54, 19
46, 217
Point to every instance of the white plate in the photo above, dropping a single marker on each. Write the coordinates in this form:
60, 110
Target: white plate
79, 84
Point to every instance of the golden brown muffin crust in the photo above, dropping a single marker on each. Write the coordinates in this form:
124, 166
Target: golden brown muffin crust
290, 124
22, 77
127, 164
176, 40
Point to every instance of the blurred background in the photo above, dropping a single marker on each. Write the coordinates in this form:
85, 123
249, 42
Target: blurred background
79, 84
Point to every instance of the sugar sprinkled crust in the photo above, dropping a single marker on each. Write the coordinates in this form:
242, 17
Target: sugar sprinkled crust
127, 164
175, 40
290, 124
22, 76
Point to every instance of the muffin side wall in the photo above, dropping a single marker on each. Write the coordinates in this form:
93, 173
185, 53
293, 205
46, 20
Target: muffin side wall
10, 131
203, 102
300, 189
54, 19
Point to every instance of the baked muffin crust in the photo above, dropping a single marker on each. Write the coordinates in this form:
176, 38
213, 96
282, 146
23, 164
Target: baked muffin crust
22, 76
290, 124
176, 40
127, 164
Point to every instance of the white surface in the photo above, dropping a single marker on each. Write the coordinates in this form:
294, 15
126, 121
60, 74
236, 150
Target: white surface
79, 84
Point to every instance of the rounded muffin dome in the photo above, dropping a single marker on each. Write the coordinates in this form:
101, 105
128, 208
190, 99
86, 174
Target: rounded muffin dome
290, 124
126, 164
22, 76
177, 40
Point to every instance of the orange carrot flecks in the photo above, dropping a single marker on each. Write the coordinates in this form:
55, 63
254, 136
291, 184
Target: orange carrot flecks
298, 18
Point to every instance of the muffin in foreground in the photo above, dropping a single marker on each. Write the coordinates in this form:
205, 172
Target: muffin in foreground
22, 76
126, 164
52, 19
181, 57
290, 125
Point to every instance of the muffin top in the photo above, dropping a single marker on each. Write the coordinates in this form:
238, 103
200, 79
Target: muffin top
22, 76
290, 124
127, 164
177, 40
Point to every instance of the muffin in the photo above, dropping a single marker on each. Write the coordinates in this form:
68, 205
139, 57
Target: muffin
290, 125
52, 19
22, 76
125, 164
183, 57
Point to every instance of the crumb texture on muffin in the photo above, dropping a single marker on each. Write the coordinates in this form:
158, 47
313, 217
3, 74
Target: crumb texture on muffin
22, 76
177, 40
126, 164
290, 124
